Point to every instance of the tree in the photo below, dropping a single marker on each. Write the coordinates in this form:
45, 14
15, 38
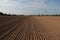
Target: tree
1, 13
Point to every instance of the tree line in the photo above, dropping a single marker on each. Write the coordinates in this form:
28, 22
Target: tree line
2, 14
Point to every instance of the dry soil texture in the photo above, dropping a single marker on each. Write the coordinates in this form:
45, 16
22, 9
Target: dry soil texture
29, 28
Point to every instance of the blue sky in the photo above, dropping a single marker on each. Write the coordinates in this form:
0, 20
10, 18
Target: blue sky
30, 6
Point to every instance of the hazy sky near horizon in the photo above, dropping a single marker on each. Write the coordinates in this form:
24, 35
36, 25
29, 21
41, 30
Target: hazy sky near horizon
30, 6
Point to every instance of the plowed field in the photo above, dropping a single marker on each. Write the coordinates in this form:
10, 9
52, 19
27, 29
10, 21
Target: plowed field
29, 28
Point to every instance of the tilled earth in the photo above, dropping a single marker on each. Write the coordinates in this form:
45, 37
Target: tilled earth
29, 28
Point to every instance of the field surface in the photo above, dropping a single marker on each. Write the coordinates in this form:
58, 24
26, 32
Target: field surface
29, 28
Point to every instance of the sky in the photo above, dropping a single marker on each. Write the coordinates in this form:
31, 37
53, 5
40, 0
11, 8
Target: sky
30, 7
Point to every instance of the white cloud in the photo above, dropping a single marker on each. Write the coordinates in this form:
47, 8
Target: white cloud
40, 4
12, 6
19, 7
37, 4
3, 2
7, 3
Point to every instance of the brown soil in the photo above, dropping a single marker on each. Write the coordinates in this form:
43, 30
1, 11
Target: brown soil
30, 28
